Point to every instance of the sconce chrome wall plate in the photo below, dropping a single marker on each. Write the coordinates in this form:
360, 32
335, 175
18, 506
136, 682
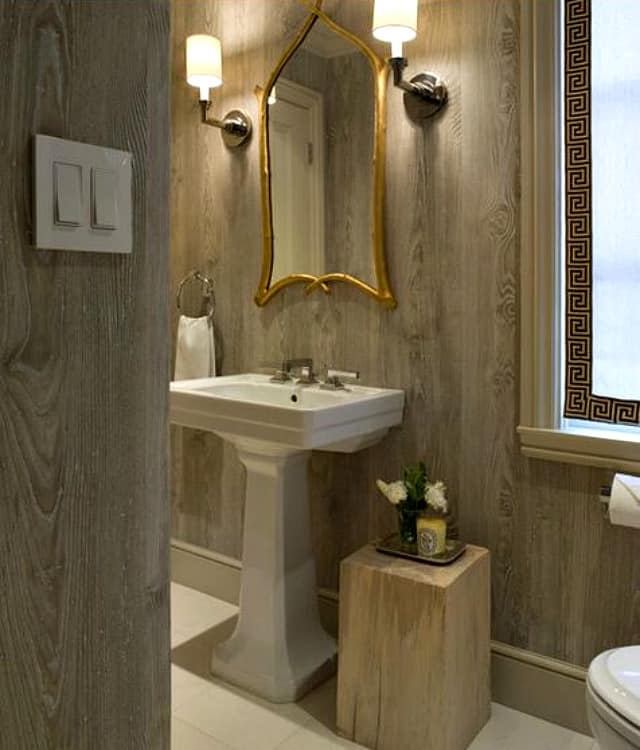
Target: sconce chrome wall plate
421, 107
237, 128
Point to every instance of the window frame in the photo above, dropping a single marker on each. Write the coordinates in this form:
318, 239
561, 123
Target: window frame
541, 430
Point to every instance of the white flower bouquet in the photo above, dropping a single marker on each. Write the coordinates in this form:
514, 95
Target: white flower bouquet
415, 492
412, 496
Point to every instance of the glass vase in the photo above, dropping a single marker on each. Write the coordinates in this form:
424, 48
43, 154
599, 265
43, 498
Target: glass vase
407, 520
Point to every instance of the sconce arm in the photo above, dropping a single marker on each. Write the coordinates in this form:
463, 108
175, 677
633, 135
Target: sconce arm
204, 115
236, 126
398, 65
426, 86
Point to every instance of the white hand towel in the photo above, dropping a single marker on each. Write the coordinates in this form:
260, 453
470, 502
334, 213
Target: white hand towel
624, 506
195, 349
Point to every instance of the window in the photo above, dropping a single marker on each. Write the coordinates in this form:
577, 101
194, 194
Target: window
581, 196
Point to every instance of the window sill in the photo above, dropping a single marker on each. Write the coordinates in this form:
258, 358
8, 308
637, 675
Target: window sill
584, 447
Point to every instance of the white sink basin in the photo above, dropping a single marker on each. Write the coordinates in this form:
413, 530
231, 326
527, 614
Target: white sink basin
279, 649
305, 418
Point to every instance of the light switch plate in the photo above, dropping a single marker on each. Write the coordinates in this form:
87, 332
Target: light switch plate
83, 198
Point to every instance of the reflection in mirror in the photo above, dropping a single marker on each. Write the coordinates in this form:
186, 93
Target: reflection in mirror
321, 140
322, 153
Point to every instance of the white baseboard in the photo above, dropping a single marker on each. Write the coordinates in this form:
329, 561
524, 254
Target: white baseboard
538, 685
206, 571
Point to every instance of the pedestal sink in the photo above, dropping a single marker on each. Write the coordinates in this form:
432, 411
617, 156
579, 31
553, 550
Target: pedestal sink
279, 650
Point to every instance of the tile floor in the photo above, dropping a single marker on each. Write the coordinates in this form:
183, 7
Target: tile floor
209, 715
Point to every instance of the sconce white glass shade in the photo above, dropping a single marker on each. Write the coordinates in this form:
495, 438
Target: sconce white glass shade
396, 22
273, 96
204, 63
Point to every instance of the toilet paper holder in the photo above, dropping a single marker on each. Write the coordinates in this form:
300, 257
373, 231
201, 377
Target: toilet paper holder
605, 499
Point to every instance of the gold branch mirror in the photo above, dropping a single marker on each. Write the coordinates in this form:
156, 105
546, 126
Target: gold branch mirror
322, 152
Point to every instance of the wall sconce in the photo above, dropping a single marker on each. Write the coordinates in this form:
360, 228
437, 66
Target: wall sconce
204, 71
396, 22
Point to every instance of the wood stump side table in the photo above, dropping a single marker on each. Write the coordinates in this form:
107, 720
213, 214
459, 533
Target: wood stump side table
413, 667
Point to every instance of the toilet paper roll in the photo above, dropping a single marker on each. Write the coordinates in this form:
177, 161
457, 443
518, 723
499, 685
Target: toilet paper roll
624, 506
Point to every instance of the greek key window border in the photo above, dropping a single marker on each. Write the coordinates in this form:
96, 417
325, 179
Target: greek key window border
580, 401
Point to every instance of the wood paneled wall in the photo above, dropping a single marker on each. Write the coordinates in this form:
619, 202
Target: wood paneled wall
564, 582
84, 510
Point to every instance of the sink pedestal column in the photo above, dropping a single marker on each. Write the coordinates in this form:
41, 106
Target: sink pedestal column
279, 650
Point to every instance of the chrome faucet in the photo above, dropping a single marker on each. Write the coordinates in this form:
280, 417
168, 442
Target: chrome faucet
307, 375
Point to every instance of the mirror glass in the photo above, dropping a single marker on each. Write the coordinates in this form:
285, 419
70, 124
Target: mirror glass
321, 131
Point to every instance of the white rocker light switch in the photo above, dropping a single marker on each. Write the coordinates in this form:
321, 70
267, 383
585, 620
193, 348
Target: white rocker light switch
67, 180
104, 203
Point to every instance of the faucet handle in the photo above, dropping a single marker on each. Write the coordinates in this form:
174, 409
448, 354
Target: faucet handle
343, 374
335, 379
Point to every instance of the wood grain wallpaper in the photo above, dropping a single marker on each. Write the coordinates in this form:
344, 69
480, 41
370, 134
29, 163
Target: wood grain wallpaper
84, 509
564, 582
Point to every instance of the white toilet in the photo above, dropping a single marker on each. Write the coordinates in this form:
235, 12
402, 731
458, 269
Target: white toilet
613, 698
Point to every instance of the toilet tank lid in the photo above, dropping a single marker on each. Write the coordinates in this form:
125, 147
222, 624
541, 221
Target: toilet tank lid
615, 677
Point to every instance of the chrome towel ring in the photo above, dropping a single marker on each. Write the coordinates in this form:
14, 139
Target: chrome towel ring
207, 290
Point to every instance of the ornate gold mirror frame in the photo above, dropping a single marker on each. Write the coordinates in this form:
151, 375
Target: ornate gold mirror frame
382, 292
